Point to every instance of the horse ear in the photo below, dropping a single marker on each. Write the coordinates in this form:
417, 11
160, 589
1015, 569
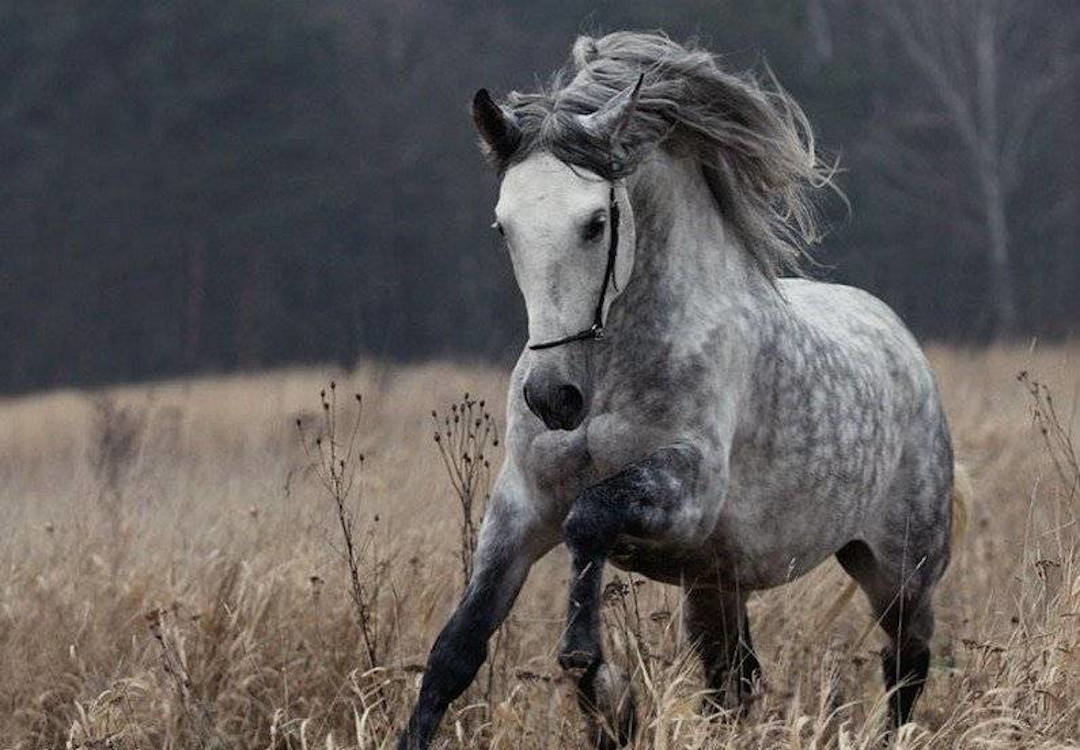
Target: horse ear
499, 132
611, 121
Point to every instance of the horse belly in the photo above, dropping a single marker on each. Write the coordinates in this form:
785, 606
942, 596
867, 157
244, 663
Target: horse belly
764, 552
726, 559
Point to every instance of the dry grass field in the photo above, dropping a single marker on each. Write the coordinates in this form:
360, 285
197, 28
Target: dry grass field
172, 575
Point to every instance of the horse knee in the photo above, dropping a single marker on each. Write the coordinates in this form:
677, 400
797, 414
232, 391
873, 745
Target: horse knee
590, 526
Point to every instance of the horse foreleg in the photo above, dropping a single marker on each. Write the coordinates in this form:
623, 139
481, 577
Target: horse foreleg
603, 690
653, 499
509, 544
718, 628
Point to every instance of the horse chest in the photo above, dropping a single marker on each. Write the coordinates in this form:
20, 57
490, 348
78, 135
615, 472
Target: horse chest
614, 441
562, 464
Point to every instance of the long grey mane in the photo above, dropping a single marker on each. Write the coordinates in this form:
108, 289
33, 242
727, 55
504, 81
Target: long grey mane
753, 142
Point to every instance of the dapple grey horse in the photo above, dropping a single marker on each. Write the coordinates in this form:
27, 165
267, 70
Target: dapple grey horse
681, 410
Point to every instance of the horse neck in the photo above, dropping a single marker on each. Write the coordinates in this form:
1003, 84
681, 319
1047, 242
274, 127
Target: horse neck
687, 261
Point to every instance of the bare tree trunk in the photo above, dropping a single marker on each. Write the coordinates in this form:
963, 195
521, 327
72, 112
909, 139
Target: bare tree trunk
989, 157
819, 47
1002, 293
959, 49
251, 310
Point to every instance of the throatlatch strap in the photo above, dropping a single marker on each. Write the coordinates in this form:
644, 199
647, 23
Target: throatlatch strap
596, 330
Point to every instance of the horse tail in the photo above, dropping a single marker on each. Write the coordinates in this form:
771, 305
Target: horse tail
963, 493
960, 498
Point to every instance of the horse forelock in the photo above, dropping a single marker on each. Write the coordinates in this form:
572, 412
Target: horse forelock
752, 141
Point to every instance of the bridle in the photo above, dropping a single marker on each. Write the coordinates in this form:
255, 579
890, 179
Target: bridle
596, 330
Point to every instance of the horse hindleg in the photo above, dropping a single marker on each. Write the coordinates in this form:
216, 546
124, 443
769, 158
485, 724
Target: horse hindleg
718, 627
901, 599
648, 499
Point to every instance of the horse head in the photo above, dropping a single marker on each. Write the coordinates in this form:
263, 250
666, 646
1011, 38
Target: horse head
570, 235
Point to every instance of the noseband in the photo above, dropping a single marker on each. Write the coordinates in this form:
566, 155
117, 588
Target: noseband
596, 330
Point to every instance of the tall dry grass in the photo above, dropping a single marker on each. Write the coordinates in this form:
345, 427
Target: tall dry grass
171, 576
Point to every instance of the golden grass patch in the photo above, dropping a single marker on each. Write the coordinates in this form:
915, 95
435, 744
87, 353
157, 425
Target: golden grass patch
171, 577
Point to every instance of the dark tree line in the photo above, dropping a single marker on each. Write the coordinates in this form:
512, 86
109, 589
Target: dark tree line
241, 183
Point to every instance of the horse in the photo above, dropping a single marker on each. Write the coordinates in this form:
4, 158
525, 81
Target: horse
689, 406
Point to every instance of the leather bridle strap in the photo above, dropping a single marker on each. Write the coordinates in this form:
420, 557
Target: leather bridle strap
596, 330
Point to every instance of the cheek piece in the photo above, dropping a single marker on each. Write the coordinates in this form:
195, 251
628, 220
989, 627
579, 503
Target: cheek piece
596, 330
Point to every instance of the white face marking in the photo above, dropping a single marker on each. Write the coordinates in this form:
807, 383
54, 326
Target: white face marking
556, 224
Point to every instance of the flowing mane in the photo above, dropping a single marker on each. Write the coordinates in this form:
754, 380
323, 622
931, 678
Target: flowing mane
753, 142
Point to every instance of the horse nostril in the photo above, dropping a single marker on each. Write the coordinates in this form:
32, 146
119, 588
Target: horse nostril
560, 407
569, 404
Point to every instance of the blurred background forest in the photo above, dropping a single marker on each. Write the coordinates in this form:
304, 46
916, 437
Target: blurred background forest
210, 186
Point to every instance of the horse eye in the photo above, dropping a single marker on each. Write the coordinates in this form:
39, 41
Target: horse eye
498, 228
593, 229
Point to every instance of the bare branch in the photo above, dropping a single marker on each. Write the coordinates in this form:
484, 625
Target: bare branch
930, 65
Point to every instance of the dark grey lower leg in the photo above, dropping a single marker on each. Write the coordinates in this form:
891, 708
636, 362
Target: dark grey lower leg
717, 625
901, 598
503, 560
458, 653
906, 666
644, 501
909, 622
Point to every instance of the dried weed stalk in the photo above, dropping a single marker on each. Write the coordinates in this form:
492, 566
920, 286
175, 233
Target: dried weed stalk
118, 434
196, 712
462, 437
334, 457
1055, 436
